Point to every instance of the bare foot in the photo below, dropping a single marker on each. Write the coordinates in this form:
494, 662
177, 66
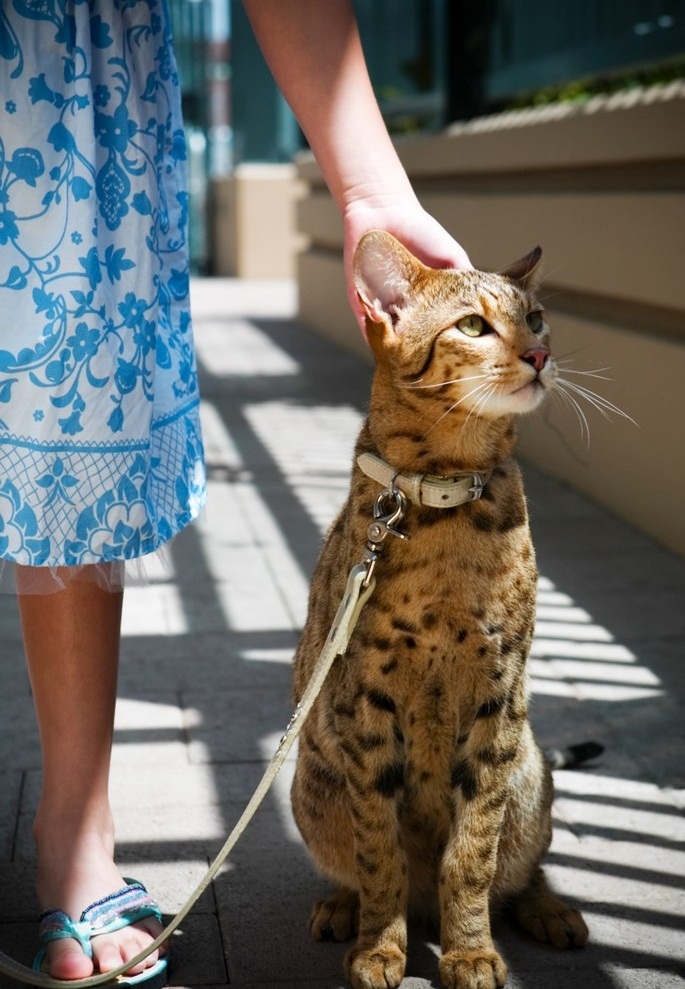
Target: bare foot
73, 874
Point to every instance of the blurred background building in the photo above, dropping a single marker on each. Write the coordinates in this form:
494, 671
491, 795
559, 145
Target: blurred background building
432, 62
519, 122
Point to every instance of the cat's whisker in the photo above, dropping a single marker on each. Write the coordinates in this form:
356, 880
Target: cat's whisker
474, 391
441, 384
572, 353
480, 404
603, 405
482, 400
550, 295
591, 373
562, 397
563, 265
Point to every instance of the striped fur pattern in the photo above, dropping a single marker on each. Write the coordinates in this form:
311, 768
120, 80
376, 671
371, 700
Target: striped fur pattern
419, 785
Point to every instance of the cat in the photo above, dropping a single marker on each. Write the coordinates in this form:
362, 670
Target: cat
418, 781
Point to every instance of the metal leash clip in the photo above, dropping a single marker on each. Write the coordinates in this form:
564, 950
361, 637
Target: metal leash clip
389, 509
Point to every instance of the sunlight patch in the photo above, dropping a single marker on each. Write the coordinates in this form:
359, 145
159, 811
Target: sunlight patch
572, 656
154, 610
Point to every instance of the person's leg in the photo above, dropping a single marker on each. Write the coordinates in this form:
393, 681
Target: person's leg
71, 640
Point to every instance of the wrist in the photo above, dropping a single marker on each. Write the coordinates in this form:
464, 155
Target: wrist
377, 196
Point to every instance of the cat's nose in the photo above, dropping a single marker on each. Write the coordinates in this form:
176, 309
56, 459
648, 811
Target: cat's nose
536, 356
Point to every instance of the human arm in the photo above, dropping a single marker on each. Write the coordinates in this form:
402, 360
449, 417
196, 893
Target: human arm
314, 52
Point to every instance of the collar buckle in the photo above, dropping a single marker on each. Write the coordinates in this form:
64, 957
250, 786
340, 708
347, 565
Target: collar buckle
477, 486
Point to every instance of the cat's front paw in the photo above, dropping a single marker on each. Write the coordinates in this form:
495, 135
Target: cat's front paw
485, 970
375, 968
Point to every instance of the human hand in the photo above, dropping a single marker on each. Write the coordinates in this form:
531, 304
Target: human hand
411, 225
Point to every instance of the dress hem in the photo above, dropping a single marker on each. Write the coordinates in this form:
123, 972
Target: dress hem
152, 566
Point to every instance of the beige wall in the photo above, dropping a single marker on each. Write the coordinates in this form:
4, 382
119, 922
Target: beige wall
251, 222
602, 188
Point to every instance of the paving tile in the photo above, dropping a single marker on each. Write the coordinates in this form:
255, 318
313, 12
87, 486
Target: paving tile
271, 886
18, 939
646, 978
197, 956
22, 740
17, 897
10, 787
9, 623
221, 732
215, 661
170, 881
15, 681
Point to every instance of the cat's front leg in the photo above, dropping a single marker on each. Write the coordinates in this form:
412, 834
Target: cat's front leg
470, 959
378, 959
378, 967
482, 970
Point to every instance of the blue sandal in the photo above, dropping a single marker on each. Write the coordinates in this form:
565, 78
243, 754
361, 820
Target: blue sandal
128, 905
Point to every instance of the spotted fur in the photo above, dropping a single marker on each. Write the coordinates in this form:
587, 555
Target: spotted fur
418, 782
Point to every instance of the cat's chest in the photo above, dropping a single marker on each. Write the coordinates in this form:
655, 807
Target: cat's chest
437, 668
466, 563
451, 612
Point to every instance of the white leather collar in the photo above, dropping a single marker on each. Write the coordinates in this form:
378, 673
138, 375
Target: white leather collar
427, 489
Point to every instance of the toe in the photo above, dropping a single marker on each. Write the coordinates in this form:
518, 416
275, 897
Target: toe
66, 960
112, 950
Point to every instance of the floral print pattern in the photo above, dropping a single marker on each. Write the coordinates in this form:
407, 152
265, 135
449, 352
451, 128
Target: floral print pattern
100, 447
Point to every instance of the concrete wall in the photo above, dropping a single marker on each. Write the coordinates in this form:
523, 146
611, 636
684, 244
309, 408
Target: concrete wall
251, 222
602, 188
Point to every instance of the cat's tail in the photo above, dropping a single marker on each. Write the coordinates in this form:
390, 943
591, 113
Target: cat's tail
573, 755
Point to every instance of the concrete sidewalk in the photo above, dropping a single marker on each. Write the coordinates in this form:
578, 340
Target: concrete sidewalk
204, 693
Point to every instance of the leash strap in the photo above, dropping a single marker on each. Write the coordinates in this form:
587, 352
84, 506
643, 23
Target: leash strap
360, 585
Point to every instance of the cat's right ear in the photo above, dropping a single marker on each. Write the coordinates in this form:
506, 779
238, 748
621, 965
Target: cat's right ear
383, 275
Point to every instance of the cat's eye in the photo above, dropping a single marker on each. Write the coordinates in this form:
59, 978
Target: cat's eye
535, 321
472, 326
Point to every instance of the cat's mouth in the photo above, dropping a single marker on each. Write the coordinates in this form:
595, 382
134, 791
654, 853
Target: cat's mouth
529, 395
535, 385
542, 382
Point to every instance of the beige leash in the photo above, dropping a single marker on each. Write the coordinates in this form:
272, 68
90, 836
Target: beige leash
389, 509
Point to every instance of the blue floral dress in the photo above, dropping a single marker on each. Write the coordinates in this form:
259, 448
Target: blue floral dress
100, 447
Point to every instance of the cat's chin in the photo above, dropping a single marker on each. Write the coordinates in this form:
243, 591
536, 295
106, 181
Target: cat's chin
527, 398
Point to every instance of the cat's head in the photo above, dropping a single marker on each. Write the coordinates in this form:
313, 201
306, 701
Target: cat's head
477, 338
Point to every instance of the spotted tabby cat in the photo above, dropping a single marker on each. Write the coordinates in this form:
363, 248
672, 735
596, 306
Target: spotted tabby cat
419, 785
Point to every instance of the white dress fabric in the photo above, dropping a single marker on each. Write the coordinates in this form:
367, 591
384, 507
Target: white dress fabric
100, 447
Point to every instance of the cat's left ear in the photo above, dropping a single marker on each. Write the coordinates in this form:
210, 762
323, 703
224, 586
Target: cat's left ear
384, 271
526, 271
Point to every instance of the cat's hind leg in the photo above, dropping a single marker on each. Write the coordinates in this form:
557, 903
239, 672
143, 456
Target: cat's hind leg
526, 836
379, 965
548, 918
337, 917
